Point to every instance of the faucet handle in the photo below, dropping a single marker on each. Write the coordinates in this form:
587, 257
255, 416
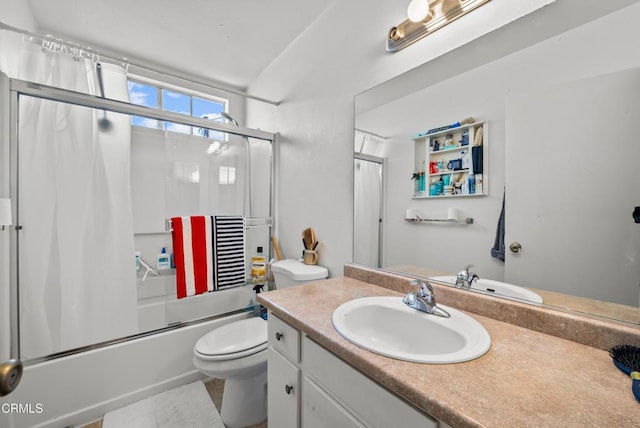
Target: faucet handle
425, 288
467, 267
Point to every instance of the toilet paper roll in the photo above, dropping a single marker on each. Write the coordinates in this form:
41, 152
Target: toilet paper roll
5, 212
453, 214
412, 214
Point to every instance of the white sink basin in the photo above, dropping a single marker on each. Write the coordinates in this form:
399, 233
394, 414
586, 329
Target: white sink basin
387, 326
501, 289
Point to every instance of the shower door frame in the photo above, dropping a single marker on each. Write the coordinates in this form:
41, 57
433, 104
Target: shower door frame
19, 87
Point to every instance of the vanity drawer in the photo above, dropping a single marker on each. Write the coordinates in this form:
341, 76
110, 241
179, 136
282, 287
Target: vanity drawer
284, 338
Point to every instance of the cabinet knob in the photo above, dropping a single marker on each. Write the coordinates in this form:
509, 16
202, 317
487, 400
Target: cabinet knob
288, 389
515, 247
279, 335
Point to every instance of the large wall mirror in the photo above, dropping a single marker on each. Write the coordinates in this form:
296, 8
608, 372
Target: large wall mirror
562, 114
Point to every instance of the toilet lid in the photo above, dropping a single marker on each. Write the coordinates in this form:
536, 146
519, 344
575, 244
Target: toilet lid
298, 271
246, 336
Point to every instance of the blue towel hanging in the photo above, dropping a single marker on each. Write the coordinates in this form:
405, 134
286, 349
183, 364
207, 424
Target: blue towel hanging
477, 161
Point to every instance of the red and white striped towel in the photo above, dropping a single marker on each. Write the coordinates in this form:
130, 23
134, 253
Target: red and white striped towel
193, 255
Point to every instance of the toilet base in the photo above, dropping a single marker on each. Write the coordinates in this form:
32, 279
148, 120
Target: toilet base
244, 401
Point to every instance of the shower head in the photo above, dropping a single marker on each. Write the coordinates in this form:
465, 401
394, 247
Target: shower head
229, 118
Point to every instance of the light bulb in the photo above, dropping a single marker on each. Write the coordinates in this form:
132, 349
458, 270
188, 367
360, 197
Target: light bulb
418, 10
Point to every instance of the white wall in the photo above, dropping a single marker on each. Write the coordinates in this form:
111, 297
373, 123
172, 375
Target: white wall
17, 13
316, 78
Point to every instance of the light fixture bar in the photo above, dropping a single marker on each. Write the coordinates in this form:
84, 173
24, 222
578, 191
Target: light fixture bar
442, 12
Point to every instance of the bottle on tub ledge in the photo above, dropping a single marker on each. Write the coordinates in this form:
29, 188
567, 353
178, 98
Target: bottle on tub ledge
162, 261
258, 267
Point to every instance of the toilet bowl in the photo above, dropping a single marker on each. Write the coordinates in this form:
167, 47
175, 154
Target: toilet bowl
290, 272
237, 353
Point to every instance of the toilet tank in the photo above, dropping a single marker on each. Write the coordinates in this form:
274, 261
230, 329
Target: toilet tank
289, 272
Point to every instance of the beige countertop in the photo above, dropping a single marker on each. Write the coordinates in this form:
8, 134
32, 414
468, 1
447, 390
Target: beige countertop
526, 379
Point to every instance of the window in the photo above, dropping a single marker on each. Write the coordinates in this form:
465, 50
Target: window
176, 101
227, 175
143, 95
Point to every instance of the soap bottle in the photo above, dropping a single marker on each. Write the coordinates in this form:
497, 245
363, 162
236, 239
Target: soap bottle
258, 267
162, 261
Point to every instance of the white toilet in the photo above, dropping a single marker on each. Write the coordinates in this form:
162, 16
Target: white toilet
289, 272
237, 353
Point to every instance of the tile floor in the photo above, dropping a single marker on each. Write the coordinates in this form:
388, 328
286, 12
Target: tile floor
215, 387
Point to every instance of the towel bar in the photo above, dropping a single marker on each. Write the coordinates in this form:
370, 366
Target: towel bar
249, 223
467, 220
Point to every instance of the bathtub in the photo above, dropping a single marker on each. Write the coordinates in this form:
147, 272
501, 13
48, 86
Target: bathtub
113, 376
158, 306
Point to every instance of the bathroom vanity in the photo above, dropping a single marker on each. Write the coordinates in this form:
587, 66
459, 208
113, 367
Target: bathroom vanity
309, 386
527, 378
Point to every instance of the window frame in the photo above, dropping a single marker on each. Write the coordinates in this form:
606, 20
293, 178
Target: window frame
161, 86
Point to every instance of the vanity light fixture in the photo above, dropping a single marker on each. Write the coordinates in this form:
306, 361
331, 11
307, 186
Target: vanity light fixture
425, 17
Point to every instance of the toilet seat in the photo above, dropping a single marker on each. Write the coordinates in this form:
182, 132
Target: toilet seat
234, 340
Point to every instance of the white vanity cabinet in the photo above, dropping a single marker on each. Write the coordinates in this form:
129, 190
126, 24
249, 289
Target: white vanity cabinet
326, 391
283, 374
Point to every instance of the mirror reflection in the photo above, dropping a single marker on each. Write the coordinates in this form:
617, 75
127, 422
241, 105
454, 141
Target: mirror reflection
560, 181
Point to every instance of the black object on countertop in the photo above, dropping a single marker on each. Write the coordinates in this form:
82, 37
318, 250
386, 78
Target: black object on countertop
627, 359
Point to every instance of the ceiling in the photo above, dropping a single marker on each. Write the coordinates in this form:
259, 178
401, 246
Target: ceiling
228, 41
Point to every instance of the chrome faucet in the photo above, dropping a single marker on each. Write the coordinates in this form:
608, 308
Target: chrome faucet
424, 300
464, 278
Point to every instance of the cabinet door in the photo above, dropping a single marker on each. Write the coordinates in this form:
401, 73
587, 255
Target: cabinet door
319, 410
283, 391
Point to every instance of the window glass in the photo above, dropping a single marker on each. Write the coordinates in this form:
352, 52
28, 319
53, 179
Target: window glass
169, 100
177, 103
144, 95
209, 110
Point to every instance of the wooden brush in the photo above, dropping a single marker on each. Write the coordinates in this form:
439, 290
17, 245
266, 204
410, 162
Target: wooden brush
309, 238
276, 248
627, 359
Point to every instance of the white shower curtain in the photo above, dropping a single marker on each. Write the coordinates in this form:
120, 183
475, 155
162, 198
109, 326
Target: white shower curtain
367, 194
76, 256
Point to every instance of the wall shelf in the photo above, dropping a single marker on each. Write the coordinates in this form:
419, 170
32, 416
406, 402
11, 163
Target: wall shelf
444, 163
476, 195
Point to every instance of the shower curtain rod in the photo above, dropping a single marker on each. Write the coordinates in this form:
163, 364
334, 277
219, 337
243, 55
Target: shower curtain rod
64, 95
91, 53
